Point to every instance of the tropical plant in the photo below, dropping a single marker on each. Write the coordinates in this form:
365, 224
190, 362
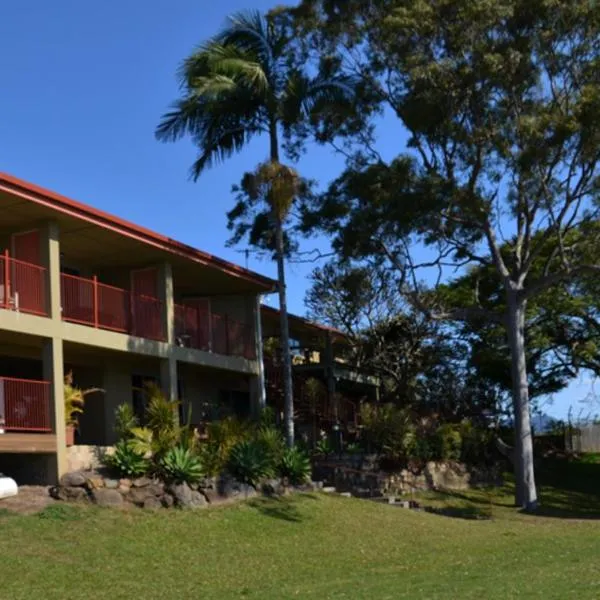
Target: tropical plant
126, 462
74, 398
181, 465
294, 466
272, 442
238, 86
324, 447
125, 421
249, 463
222, 437
162, 431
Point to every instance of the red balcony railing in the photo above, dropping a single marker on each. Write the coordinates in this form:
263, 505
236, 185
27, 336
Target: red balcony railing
196, 328
22, 286
25, 405
89, 302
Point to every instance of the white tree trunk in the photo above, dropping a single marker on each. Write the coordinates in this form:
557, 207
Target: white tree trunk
525, 491
288, 398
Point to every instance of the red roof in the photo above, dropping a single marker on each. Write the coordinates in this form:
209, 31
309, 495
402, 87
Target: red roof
44, 197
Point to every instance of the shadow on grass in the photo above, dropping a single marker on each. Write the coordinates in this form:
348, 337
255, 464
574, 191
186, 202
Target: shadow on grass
283, 508
568, 489
471, 513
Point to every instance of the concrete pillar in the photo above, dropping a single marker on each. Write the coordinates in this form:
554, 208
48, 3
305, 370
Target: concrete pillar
117, 390
166, 295
52, 357
258, 394
168, 377
51, 260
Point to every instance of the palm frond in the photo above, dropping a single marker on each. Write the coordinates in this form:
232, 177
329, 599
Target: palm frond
249, 32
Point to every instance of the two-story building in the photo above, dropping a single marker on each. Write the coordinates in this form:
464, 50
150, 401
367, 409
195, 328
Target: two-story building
118, 305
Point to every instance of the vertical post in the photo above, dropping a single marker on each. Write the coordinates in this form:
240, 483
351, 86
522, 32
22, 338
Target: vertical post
261, 391
226, 321
330, 374
95, 301
6, 279
166, 295
54, 373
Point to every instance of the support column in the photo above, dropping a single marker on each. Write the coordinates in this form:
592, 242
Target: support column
258, 394
51, 260
52, 352
52, 357
168, 377
166, 294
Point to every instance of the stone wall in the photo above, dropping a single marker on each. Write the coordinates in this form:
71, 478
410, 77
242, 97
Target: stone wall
361, 476
85, 458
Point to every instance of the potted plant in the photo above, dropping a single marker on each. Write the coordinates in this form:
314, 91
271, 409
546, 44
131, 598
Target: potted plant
74, 403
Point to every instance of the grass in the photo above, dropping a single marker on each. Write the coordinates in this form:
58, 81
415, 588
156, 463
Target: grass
314, 546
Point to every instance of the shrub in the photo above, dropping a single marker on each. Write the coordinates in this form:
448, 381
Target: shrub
388, 429
449, 442
125, 421
222, 437
126, 461
295, 466
249, 463
181, 465
323, 447
272, 442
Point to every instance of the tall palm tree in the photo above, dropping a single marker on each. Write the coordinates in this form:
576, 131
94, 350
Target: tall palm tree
240, 85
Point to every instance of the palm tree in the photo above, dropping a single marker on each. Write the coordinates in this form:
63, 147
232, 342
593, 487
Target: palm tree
235, 87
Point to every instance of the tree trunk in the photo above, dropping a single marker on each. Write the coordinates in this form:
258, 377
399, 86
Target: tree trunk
525, 490
288, 398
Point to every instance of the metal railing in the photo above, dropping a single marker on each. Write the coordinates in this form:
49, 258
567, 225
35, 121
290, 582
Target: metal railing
196, 328
25, 405
89, 302
22, 286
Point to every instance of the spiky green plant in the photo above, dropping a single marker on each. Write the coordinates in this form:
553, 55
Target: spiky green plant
295, 466
181, 465
126, 462
249, 463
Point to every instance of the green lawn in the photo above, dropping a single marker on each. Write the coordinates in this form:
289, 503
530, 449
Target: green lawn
311, 546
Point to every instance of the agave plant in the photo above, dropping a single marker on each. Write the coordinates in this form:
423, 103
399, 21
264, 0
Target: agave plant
249, 463
295, 466
126, 461
181, 465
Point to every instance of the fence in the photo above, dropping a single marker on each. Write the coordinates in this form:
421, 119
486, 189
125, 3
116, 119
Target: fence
25, 405
196, 328
584, 439
22, 286
89, 302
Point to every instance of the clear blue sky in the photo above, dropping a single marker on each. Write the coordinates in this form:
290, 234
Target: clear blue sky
83, 85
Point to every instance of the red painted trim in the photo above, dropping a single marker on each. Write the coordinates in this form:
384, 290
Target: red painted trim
62, 204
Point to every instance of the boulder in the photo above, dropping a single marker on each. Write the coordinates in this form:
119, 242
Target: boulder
107, 497
138, 496
198, 501
69, 494
141, 482
125, 483
94, 482
152, 503
111, 484
182, 494
74, 479
272, 487
167, 500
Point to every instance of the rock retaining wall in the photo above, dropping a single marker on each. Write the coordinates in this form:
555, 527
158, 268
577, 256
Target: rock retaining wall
361, 475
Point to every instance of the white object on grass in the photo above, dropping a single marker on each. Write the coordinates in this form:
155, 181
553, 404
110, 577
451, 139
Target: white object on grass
8, 487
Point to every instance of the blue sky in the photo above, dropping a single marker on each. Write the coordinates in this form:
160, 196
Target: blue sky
83, 87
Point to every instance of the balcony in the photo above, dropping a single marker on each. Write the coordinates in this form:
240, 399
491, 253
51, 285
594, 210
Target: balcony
22, 286
89, 302
25, 405
196, 327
